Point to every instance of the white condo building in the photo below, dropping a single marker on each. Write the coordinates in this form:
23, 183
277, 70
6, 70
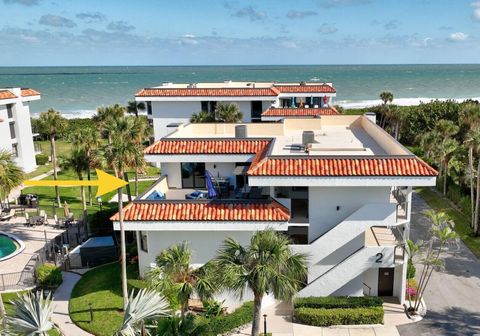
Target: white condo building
170, 104
338, 185
15, 126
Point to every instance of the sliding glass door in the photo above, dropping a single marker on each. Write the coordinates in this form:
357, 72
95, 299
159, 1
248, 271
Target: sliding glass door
193, 175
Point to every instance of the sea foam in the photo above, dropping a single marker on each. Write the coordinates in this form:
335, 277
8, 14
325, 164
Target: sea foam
348, 104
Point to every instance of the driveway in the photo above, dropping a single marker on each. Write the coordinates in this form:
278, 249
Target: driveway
453, 294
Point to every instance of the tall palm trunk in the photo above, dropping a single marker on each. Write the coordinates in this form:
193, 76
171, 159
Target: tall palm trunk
89, 187
472, 188
3, 313
54, 163
257, 310
84, 207
123, 249
477, 202
136, 182
445, 169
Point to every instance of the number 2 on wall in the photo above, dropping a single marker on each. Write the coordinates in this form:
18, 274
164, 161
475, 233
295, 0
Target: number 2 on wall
379, 257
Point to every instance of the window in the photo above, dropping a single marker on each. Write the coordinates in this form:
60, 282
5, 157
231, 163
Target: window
12, 131
9, 110
193, 175
15, 150
208, 106
204, 106
149, 107
256, 110
143, 241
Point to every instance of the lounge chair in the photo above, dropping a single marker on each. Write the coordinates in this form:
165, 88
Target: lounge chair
196, 195
8, 216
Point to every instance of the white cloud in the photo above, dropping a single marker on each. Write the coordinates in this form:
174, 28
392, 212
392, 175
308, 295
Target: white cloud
327, 29
289, 44
56, 21
188, 36
476, 10
251, 13
458, 37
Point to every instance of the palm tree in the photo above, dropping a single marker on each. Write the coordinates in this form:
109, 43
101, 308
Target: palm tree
268, 265
133, 107
446, 151
473, 143
228, 113
78, 162
88, 140
386, 97
32, 314
175, 277
202, 117
51, 124
146, 305
11, 175
120, 153
104, 117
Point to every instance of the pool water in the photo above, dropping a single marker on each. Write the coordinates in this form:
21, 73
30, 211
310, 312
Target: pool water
7, 246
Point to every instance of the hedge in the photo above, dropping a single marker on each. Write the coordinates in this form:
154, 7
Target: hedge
221, 324
49, 276
343, 316
41, 159
331, 302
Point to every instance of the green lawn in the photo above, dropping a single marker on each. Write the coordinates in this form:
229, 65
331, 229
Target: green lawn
73, 196
462, 222
10, 309
102, 288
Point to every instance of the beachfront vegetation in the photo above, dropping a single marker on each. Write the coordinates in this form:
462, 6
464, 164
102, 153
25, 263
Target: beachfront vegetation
224, 112
51, 123
178, 280
268, 265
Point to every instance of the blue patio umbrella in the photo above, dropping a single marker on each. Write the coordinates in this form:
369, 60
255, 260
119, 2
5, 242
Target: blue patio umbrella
211, 191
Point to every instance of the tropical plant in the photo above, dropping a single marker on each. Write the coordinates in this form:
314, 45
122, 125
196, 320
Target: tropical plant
386, 97
176, 278
104, 117
268, 265
133, 107
78, 162
11, 175
228, 113
88, 139
32, 315
141, 308
187, 325
441, 234
202, 117
51, 124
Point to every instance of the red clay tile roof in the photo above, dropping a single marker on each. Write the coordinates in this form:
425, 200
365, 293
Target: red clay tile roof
6, 94
268, 166
207, 146
205, 92
27, 92
320, 88
271, 211
299, 112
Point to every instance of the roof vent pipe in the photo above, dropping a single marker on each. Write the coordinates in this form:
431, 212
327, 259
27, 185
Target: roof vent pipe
372, 116
241, 131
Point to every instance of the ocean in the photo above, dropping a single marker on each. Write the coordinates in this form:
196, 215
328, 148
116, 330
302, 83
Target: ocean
77, 91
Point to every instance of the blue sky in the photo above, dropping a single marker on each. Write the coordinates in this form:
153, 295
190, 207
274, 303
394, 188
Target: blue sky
183, 32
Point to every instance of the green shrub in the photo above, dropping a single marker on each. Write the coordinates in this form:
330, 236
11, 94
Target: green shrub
411, 270
343, 316
240, 316
49, 276
41, 159
330, 302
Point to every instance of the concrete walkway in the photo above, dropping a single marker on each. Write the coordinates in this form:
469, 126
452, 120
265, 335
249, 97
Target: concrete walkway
15, 193
61, 299
452, 295
279, 323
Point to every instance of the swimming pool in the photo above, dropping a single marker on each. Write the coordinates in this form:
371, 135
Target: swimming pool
9, 246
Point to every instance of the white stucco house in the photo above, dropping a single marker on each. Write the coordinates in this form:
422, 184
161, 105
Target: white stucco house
170, 104
16, 129
338, 185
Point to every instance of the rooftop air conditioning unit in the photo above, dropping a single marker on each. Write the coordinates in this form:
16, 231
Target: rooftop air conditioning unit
308, 137
241, 131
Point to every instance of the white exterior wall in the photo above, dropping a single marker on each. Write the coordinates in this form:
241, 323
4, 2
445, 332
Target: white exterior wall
23, 131
174, 173
204, 244
370, 277
323, 202
223, 169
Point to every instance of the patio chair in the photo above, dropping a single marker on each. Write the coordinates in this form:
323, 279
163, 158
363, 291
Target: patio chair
10, 215
57, 223
27, 219
44, 215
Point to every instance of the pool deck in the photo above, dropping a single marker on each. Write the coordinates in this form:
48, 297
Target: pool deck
33, 237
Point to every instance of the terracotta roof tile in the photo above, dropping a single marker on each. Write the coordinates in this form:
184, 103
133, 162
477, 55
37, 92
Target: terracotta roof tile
320, 88
299, 112
204, 146
204, 92
413, 166
6, 94
27, 92
213, 210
